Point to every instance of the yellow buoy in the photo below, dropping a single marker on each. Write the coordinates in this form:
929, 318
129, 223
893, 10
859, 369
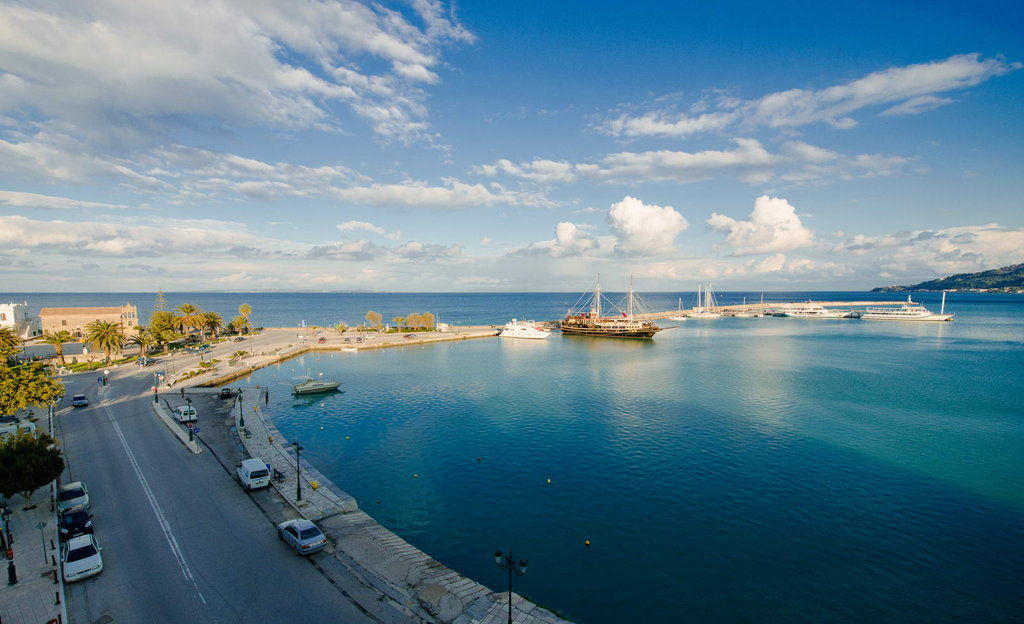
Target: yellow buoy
586, 542
348, 437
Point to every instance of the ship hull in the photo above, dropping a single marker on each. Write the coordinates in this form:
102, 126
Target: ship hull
598, 332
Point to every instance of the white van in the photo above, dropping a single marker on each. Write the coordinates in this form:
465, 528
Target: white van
185, 414
253, 474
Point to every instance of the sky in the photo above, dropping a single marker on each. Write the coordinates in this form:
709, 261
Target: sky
488, 146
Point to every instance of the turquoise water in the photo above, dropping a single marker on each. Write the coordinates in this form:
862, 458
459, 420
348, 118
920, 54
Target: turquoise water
736, 470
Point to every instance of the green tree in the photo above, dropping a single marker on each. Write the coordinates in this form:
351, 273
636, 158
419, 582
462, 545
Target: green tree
413, 321
143, 340
27, 386
105, 335
9, 343
245, 311
427, 319
189, 317
375, 319
238, 323
161, 301
399, 321
212, 322
58, 340
161, 328
341, 328
29, 462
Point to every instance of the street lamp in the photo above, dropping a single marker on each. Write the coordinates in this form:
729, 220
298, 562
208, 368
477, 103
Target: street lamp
12, 573
241, 411
507, 562
298, 474
188, 401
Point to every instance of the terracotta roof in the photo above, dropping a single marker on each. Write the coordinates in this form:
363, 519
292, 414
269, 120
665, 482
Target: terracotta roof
76, 311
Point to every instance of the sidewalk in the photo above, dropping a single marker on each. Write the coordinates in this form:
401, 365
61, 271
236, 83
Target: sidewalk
38, 596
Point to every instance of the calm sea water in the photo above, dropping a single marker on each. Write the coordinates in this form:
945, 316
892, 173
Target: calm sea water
734, 470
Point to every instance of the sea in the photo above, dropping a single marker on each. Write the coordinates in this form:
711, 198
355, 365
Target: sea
729, 470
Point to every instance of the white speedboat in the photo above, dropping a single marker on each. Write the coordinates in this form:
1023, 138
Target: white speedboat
908, 311
525, 329
308, 385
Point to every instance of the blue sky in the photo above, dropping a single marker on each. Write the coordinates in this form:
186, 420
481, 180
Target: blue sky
419, 145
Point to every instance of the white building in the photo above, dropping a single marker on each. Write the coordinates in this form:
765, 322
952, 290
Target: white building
19, 319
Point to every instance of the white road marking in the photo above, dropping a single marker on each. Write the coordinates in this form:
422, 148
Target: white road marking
161, 518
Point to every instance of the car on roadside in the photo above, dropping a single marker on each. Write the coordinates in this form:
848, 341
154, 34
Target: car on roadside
81, 558
185, 414
321, 340
79, 400
239, 338
253, 474
72, 495
74, 522
226, 393
304, 537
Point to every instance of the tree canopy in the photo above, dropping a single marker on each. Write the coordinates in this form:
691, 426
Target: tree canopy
27, 386
105, 335
28, 462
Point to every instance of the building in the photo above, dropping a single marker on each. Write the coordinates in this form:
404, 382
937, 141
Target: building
74, 320
19, 319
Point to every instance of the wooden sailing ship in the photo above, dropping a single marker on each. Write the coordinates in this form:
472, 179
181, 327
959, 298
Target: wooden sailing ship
587, 318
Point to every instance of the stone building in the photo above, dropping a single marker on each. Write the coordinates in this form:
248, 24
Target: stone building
19, 319
74, 320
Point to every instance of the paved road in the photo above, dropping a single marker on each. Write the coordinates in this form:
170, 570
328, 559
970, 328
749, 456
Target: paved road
181, 541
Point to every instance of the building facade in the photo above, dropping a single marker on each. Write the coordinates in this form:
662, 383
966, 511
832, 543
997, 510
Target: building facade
74, 320
19, 319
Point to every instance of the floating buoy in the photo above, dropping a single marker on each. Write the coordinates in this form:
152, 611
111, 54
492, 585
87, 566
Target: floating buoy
321, 427
549, 481
347, 437
415, 476
586, 542
479, 459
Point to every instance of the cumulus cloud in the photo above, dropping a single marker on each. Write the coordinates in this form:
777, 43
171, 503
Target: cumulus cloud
364, 226
359, 250
34, 200
415, 250
906, 90
569, 240
772, 226
644, 229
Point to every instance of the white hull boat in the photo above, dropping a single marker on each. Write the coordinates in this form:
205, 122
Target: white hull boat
315, 386
908, 311
529, 330
706, 309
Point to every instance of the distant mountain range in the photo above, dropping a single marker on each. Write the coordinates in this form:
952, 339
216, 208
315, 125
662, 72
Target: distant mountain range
1007, 279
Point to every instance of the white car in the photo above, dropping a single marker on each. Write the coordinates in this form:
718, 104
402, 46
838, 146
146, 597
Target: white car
72, 494
185, 414
81, 558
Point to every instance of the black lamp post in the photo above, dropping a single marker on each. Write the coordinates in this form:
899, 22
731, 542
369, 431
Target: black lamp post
188, 401
12, 573
241, 411
298, 474
507, 562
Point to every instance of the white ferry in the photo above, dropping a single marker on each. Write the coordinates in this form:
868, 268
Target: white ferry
908, 311
524, 329
811, 310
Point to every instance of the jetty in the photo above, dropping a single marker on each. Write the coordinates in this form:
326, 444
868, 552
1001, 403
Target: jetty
739, 307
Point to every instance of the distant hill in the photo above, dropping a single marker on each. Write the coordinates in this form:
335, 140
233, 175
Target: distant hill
1006, 279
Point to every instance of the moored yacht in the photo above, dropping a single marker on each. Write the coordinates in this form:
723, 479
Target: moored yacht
308, 385
908, 311
524, 329
812, 310
706, 309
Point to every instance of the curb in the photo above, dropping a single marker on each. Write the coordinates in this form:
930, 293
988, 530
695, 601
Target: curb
175, 428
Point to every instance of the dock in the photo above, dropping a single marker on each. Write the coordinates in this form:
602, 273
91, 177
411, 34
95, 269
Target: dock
729, 309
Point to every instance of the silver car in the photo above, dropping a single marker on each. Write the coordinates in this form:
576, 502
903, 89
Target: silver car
302, 535
81, 558
72, 494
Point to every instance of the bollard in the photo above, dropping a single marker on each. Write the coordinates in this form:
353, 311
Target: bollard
56, 595
12, 574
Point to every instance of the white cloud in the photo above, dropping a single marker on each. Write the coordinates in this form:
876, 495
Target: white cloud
34, 200
364, 226
569, 240
417, 194
772, 226
415, 250
644, 229
359, 250
907, 90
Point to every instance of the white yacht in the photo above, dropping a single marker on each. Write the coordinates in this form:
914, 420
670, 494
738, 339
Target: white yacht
706, 309
680, 316
308, 385
908, 311
524, 329
812, 310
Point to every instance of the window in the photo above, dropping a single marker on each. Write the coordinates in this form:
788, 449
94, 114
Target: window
310, 533
81, 553
63, 321
3, 317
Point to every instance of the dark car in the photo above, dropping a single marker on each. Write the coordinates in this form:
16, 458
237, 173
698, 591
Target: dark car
79, 400
226, 393
239, 338
73, 522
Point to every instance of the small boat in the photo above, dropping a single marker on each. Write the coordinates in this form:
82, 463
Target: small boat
747, 313
908, 311
680, 317
308, 385
708, 309
525, 329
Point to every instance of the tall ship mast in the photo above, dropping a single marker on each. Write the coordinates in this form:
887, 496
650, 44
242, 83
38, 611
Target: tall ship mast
587, 317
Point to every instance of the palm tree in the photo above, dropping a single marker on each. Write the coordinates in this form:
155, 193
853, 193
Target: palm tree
105, 335
189, 317
58, 340
239, 324
9, 343
245, 311
212, 321
142, 340
398, 321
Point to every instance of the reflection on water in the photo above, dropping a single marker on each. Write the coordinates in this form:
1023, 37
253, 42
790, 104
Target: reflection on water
750, 469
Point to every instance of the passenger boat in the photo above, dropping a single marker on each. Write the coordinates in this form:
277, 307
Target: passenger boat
530, 330
587, 318
708, 309
908, 311
812, 310
308, 385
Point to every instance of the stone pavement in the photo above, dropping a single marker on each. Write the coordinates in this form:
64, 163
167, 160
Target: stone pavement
38, 596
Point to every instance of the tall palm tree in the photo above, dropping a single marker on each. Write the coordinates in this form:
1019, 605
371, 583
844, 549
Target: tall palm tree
58, 340
398, 321
105, 335
245, 311
143, 340
9, 342
212, 321
189, 317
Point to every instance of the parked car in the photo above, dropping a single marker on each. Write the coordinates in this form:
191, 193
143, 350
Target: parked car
226, 393
74, 522
186, 414
81, 558
252, 474
79, 400
302, 535
146, 361
321, 340
72, 495
239, 338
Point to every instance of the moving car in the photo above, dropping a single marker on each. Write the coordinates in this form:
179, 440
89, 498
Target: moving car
72, 495
74, 522
226, 393
81, 558
185, 414
253, 474
79, 400
302, 535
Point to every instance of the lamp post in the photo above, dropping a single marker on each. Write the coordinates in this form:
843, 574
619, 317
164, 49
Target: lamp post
298, 474
241, 411
507, 562
188, 401
12, 572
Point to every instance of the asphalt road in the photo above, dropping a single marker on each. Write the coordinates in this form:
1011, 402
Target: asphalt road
181, 541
